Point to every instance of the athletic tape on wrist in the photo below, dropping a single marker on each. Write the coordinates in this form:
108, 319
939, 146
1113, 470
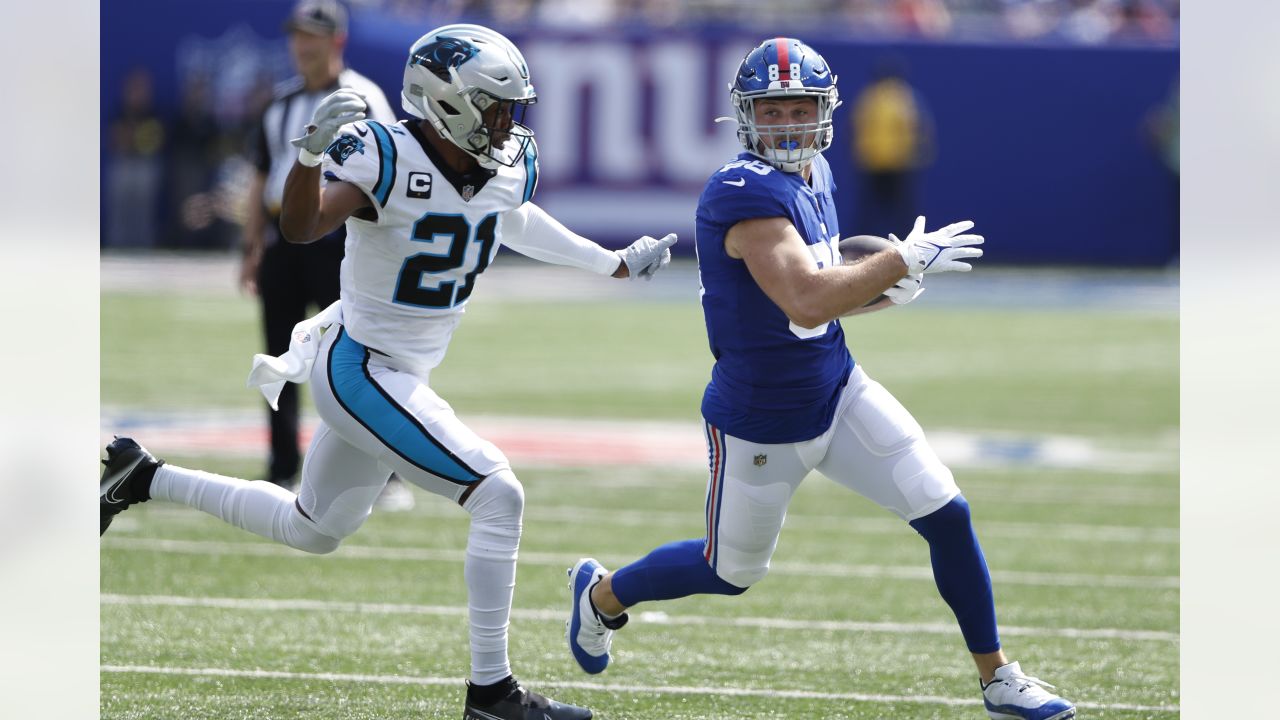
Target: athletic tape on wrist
308, 158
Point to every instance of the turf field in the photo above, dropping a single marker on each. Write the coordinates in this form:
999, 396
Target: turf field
200, 620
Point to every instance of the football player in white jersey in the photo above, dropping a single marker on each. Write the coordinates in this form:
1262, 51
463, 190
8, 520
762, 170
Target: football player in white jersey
426, 203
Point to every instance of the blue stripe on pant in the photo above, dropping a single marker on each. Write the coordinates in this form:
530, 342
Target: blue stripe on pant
362, 398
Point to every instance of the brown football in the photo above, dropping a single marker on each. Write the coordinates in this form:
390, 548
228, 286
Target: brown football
854, 249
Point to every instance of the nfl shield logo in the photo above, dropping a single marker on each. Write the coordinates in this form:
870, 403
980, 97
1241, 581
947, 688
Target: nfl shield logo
760, 460
468, 192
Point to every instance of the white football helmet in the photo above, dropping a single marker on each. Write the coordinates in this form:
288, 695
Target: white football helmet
457, 72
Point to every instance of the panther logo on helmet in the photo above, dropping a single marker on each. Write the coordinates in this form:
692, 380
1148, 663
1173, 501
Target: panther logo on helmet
443, 53
342, 148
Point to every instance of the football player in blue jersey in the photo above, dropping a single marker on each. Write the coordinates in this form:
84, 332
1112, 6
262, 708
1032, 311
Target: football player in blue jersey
786, 397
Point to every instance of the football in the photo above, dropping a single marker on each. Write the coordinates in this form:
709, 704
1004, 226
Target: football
854, 249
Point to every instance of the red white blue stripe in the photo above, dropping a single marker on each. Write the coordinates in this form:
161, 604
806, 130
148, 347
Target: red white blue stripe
715, 490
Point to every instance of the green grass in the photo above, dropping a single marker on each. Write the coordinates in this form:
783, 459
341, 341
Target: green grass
1111, 377
1098, 373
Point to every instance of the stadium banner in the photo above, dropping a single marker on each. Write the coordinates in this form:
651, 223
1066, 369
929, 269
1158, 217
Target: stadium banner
1045, 146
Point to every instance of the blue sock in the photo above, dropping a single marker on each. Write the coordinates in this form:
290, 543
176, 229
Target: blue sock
674, 570
961, 573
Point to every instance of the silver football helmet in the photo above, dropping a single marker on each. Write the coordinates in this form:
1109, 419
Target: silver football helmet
457, 73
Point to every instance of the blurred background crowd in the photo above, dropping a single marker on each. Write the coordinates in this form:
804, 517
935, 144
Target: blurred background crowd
1084, 21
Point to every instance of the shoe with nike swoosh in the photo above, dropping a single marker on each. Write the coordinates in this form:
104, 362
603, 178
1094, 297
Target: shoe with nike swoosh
126, 480
521, 704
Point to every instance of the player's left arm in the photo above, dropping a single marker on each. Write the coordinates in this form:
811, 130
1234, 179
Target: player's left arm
530, 231
904, 291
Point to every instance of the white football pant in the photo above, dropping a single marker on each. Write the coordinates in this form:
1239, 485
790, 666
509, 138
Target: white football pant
873, 447
378, 419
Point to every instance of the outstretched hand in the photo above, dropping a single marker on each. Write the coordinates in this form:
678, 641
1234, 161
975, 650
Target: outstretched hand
646, 256
938, 251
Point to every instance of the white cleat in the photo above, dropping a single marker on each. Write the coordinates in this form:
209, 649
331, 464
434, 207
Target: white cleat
588, 634
1012, 695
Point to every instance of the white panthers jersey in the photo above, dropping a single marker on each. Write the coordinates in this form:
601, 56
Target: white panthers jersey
407, 276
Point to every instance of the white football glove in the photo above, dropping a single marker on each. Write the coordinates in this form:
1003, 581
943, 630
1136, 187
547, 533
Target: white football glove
339, 108
908, 288
940, 250
646, 256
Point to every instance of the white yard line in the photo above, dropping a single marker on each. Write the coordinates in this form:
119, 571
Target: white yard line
599, 687
648, 617
208, 547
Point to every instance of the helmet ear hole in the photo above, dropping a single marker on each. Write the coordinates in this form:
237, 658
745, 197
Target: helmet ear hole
447, 107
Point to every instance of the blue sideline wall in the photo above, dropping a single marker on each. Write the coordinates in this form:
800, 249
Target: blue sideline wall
1044, 146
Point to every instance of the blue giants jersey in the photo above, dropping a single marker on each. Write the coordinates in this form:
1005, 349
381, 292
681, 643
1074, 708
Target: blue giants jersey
773, 381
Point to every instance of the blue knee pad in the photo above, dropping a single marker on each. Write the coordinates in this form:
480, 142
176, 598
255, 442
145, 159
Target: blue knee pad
674, 570
960, 571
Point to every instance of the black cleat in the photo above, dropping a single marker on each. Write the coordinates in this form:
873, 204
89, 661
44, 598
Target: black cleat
517, 704
127, 479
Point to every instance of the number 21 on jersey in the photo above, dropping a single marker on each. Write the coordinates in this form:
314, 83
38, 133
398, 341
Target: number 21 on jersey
415, 286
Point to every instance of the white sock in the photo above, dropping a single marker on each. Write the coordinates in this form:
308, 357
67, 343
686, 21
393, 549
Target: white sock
496, 507
258, 506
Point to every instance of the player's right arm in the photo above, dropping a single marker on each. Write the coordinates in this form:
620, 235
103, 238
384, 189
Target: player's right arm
307, 211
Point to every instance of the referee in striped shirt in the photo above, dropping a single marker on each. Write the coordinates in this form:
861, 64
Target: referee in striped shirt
286, 277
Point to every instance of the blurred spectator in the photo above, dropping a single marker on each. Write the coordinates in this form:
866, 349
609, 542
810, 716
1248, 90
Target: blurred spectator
505, 13
652, 13
197, 150
1093, 21
1031, 18
929, 18
893, 140
1147, 19
868, 16
288, 277
575, 13
135, 139
1162, 126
